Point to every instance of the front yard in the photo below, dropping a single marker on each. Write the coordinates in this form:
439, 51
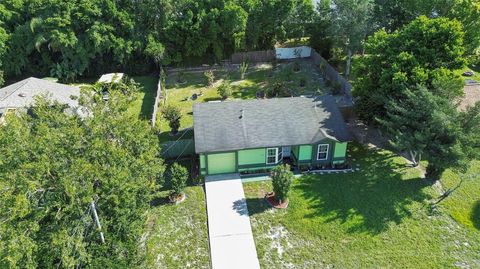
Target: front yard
379, 217
176, 236
257, 79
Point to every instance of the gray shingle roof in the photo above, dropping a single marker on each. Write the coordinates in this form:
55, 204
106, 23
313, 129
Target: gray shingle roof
267, 123
22, 93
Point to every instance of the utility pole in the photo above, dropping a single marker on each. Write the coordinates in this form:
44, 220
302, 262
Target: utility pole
97, 220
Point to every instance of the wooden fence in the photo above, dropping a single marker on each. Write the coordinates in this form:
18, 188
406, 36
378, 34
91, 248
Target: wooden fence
253, 56
158, 97
331, 74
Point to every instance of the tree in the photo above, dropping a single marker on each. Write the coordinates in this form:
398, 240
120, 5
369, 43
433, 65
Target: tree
243, 69
318, 31
350, 25
282, 179
266, 24
178, 176
58, 165
421, 53
173, 115
209, 78
225, 90
155, 50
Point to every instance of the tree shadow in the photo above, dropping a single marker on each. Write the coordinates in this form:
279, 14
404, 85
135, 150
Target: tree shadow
256, 205
368, 200
475, 216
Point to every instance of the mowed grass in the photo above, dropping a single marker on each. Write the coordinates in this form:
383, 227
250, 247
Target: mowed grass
176, 236
378, 217
464, 203
256, 79
475, 69
143, 105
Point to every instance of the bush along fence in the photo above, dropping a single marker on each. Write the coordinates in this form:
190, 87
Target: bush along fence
333, 76
158, 97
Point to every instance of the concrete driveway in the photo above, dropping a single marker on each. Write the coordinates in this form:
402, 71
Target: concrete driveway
229, 230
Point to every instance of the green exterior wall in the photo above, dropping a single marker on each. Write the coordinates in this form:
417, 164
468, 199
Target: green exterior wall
251, 156
255, 159
203, 168
221, 163
305, 153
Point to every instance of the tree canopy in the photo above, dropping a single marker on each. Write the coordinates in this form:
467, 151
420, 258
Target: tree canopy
55, 165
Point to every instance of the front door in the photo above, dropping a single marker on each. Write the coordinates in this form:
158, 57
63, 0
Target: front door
286, 151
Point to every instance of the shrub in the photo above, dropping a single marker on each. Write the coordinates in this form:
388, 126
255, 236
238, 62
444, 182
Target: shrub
336, 88
288, 75
296, 66
243, 69
178, 176
209, 77
173, 115
225, 90
282, 179
277, 89
303, 82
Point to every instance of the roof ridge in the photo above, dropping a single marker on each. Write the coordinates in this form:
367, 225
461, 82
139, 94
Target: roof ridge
25, 81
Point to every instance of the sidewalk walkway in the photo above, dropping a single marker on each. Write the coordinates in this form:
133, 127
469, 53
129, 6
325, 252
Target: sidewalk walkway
229, 230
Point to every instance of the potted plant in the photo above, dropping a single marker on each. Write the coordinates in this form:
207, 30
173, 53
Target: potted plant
178, 176
282, 179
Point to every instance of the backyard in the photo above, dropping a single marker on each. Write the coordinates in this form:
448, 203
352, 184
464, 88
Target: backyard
257, 79
378, 217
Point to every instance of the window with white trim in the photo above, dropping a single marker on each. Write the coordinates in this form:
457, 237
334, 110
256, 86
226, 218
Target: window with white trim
322, 152
272, 155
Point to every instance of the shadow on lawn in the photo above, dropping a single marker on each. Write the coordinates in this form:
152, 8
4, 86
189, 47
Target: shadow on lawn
254, 205
368, 200
475, 217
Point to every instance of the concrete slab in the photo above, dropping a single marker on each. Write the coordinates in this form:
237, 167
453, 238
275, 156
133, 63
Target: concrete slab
229, 229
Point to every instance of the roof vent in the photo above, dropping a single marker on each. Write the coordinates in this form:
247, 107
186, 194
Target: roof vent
22, 95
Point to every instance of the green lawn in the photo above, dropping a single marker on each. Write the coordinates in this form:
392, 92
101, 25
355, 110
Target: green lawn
464, 203
176, 235
256, 79
475, 69
379, 217
143, 106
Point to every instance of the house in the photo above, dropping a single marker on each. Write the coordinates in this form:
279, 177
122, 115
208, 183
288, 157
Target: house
21, 95
257, 135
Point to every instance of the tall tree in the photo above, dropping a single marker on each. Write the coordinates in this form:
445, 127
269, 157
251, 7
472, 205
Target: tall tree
57, 169
350, 25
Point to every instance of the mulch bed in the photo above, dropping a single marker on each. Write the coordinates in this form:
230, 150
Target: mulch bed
270, 198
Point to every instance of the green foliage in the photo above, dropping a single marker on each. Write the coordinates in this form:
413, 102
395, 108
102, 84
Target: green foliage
225, 90
302, 82
155, 50
178, 176
243, 69
209, 78
421, 53
173, 115
54, 164
407, 87
282, 179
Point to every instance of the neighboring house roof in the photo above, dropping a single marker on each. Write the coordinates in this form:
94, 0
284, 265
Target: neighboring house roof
22, 93
235, 125
111, 78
